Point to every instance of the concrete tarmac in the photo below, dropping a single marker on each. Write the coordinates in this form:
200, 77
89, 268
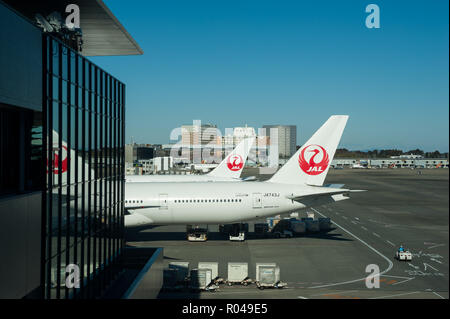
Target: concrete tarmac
400, 206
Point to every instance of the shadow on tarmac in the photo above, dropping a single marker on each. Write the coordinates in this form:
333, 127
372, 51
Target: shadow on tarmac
136, 235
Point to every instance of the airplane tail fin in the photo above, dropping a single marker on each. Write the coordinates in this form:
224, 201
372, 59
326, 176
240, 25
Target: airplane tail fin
67, 155
233, 164
310, 164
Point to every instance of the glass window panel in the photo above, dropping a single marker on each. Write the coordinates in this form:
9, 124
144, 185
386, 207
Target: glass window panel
73, 93
55, 87
72, 66
55, 57
64, 70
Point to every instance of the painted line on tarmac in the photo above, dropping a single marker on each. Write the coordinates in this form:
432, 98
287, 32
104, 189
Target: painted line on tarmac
390, 264
375, 234
397, 295
391, 243
364, 228
439, 245
340, 292
400, 282
438, 295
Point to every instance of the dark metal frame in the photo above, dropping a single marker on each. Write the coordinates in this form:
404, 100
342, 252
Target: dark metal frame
88, 104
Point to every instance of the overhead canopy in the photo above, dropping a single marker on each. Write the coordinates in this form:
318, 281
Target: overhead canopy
103, 34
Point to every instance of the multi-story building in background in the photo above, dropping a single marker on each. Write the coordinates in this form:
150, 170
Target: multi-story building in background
196, 137
136, 152
286, 141
204, 144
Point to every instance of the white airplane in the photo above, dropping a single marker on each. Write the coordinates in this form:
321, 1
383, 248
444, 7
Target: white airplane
297, 185
228, 170
358, 166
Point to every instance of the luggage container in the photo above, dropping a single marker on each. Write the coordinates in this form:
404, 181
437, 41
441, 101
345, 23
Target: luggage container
244, 227
283, 234
298, 227
201, 279
324, 223
258, 265
269, 277
182, 268
214, 266
261, 228
238, 274
312, 226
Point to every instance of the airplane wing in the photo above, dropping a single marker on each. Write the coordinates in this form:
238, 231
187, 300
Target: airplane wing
141, 207
334, 185
323, 198
249, 179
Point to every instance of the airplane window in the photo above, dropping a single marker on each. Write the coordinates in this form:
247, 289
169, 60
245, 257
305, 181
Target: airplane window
190, 201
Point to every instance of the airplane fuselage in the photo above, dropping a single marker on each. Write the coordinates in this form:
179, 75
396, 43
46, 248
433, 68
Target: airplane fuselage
212, 203
176, 178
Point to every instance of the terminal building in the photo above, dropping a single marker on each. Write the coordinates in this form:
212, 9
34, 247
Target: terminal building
392, 162
61, 150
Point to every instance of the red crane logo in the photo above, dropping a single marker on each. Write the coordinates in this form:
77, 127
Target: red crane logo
316, 163
235, 162
55, 161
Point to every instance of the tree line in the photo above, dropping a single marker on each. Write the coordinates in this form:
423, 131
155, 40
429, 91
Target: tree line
345, 153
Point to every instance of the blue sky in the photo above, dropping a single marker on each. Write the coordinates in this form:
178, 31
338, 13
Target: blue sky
288, 62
